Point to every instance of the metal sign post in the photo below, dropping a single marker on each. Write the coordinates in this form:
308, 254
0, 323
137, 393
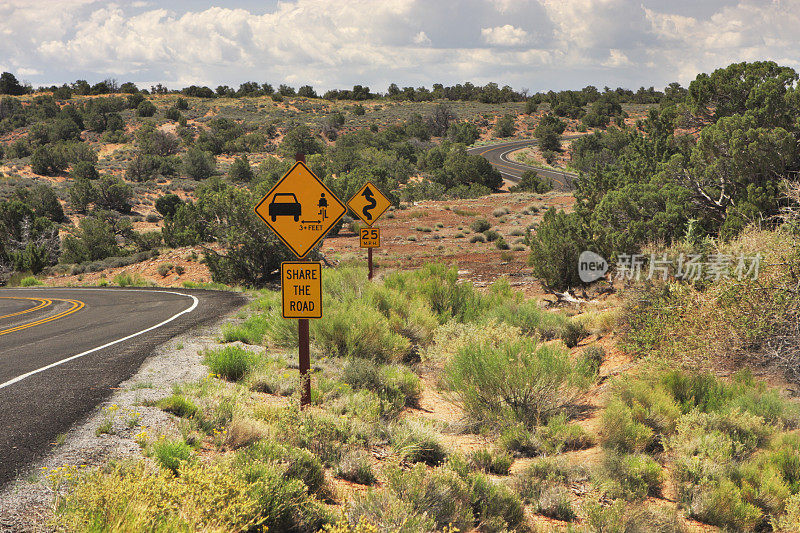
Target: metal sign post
301, 210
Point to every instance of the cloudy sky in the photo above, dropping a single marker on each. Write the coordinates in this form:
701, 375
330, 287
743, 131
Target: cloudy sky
534, 44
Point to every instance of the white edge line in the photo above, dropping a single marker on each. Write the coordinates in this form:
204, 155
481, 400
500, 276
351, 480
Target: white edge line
112, 343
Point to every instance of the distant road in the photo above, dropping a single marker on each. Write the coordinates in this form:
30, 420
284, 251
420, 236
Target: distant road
497, 155
63, 350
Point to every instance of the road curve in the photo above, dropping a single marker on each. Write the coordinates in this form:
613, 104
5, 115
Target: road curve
497, 155
62, 350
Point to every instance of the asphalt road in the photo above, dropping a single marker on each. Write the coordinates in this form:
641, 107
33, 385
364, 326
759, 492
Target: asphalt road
497, 155
63, 350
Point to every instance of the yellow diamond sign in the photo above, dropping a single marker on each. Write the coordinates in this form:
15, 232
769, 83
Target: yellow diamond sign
369, 203
300, 209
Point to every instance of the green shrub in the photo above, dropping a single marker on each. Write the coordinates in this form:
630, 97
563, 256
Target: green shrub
409, 314
633, 518
164, 269
113, 193
172, 113
491, 235
284, 501
230, 362
271, 376
743, 432
653, 517
722, 505
477, 238
729, 467
358, 330
592, 358
559, 436
631, 476
784, 455
529, 317
126, 279
650, 405
438, 286
479, 225
397, 386
198, 165
549, 498
440, 493
251, 331
504, 127
709, 449
573, 333
322, 434
548, 468
356, 466
543, 484
178, 405
362, 373
531, 181
146, 109
519, 440
494, 505
29, 281
621, 432
169, 454
241, 170
400, 382
282, 332
516, 380
764, 485
492, 462
296, 463
791, 518
555, 247
417, 444
385, 511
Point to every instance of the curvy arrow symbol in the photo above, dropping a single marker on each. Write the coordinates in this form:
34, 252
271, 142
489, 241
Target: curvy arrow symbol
369, 195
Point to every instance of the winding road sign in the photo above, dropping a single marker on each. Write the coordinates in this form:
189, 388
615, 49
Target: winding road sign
300, 209
369, 204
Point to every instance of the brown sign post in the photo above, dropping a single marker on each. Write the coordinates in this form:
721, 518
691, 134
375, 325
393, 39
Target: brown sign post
301, 210
369, 204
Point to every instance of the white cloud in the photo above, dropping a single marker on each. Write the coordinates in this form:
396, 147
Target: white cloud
506, 35
505, 6
24, 71
747, 31
540, 44
616, 58
421, 38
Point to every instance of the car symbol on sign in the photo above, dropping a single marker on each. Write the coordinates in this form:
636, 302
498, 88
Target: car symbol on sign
284, 204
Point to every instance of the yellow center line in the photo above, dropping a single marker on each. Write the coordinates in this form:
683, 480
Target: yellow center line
77, 305
43, 302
